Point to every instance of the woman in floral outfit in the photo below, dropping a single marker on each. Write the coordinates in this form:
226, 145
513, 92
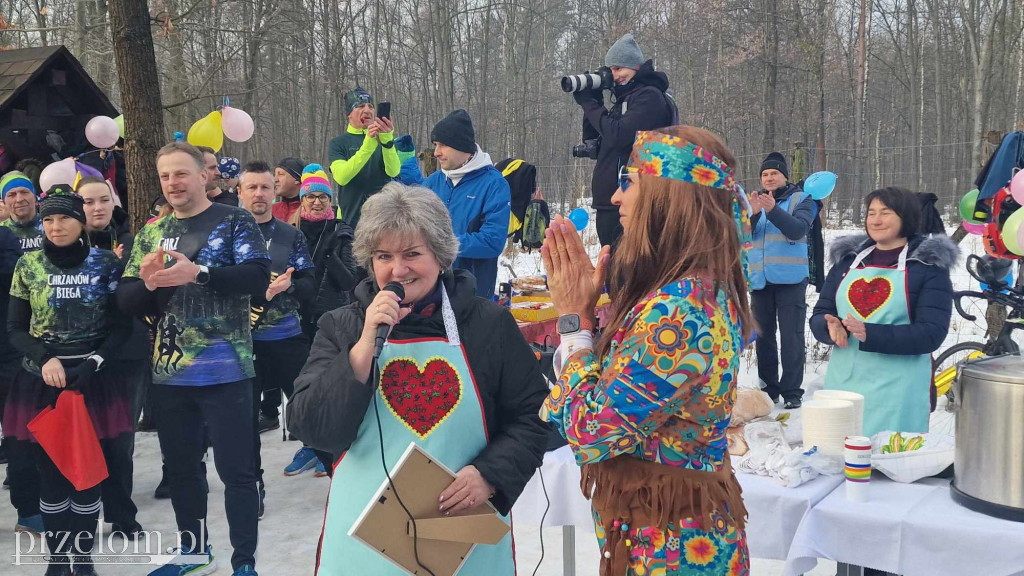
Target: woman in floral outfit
646, 407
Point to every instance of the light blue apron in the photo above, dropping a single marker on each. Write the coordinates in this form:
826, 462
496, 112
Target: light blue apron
428, 396
895, 387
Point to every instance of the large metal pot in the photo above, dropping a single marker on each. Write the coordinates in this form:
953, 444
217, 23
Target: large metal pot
989, 459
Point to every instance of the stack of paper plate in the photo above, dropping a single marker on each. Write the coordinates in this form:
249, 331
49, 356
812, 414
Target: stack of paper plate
827, 423
853, 397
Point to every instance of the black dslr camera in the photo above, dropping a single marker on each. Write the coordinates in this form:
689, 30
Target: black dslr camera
600, 80
588, 149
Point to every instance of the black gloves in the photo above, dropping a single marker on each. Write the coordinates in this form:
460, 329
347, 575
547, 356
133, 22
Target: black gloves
80, 376
584, 96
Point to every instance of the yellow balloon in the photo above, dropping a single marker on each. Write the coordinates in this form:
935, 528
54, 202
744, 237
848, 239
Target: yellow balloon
207, 132
120, 124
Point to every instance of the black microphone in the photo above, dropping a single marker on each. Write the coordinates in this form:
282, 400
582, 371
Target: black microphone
383, 329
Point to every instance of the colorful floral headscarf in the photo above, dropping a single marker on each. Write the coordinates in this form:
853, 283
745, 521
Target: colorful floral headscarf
666, 156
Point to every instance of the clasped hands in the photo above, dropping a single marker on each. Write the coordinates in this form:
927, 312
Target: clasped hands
155, 275
574, 282
761, 201
839, 329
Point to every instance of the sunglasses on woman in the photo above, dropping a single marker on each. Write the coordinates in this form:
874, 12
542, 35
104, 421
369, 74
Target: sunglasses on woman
318, 198
624, 179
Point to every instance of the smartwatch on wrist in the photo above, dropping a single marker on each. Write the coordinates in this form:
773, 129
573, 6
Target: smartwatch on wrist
203, 276
572, 323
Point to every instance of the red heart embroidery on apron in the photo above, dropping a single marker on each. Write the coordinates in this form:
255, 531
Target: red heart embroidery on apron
867, 296
421, 399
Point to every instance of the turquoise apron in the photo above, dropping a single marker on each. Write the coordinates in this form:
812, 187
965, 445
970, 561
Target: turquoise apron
895, 387
450, 427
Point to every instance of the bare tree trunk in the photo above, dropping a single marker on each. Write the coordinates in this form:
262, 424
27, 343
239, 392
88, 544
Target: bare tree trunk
1020, 75
980, 36
771, 71
858, 106
140, 98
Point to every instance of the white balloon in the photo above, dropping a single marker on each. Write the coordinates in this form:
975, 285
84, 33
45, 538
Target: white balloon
1017, 187
237, 124
63, 172
102, 132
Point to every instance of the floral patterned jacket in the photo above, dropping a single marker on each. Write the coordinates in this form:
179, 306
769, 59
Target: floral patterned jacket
664, 392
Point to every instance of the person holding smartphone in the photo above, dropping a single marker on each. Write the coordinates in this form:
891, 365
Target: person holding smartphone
363, 159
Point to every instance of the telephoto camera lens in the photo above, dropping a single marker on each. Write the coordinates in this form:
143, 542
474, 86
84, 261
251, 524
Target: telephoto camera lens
600, 80
580, 82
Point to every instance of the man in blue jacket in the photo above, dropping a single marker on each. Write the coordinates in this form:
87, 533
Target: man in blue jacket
477, 197
779, 269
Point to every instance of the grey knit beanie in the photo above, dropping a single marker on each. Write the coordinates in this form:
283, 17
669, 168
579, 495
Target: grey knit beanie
624, 53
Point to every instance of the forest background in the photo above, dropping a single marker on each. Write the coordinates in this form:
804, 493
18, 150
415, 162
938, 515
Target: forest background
914, 93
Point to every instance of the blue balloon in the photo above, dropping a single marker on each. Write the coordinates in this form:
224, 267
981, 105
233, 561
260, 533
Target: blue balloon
820, 184
579, 218
1008, 279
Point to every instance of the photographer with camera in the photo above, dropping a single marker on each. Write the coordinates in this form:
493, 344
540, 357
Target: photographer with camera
639, 102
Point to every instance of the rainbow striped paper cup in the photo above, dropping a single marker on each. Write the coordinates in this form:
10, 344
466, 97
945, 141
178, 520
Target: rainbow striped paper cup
857, 452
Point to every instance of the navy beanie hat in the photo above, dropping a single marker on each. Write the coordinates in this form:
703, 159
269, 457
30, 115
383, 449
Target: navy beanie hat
776, 161
456, 130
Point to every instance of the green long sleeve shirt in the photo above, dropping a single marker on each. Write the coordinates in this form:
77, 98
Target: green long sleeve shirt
361, 166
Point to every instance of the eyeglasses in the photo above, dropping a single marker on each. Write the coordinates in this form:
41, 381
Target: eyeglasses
318, 198
624, 180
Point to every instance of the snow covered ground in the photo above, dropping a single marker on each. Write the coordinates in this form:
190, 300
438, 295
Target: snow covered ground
291, 527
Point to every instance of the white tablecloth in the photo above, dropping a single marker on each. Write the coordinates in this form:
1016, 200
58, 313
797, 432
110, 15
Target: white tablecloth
562, 480
775, 512
909, 529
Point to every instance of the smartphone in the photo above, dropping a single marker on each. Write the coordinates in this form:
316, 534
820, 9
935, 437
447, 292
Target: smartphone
384, 110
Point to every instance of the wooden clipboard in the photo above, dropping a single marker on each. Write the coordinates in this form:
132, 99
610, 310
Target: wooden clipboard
444, 542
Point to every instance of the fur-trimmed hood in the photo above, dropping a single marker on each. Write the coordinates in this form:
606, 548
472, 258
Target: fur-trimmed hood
936, 250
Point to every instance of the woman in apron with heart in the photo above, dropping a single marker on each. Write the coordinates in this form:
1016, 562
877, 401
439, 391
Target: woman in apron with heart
885, 308
455, 378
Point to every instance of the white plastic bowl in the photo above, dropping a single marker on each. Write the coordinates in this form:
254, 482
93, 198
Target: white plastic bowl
935, 456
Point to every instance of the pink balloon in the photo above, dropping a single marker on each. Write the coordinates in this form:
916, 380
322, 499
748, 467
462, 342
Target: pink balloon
63, 172
976, 229
102, 132
238, 125
1017, 187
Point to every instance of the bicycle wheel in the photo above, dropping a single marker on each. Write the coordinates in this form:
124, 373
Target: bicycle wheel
945, 364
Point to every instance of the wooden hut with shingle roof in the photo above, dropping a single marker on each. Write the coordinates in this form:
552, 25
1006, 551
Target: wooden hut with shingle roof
46, 99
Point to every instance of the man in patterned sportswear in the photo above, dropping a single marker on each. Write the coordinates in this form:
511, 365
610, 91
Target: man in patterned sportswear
194, 271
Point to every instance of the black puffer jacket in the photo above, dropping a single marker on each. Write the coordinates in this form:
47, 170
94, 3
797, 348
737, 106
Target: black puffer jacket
329, 403
10, 251
330, 245
117, 232
640, 105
